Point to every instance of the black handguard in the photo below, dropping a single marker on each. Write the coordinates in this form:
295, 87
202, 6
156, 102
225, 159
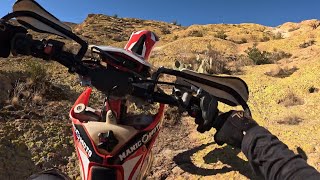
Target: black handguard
231, 128
7, 32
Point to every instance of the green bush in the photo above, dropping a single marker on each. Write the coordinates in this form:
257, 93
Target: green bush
37, 71
221, 34
257, 56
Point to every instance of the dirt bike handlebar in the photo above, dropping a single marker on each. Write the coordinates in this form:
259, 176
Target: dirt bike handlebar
48, 50
54, 50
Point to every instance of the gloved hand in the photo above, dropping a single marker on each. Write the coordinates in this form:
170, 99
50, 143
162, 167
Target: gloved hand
7, 32
231, 128
205, 112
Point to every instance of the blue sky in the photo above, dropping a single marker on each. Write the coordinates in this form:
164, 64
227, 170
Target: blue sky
187, 12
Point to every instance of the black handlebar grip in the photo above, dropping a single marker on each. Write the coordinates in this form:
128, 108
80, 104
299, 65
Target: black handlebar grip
23, 44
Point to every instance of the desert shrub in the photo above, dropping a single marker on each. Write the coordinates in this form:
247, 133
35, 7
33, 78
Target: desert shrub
213, 62
313, 89
277, 55
281, 72
196, 33
293, 29
307, 44
277, 35
37, 71
257, 56
315, 25
17, 91
243, 40
291, 120
265, 38
240, 62
221, 34
254, 38
165, 31
236, 63
175, 37
290, 99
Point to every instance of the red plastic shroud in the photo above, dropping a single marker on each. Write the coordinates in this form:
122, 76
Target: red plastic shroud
144, 151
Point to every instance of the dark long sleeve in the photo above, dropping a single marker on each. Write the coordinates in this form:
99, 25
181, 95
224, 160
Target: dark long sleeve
271, 159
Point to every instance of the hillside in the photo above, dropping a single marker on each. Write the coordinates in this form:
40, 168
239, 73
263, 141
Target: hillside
35, 132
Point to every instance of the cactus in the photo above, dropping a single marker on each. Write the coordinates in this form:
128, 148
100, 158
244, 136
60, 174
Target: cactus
178, 65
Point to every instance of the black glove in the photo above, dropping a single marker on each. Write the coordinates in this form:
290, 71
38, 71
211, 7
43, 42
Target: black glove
7, 32
231, 128
206, 113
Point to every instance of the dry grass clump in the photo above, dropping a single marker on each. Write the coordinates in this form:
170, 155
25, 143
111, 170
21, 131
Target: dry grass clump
37, 71
241, 41
214, 63
210, 62
221, 35
281, 72
291, 120
240, 62
32, 89
195, 33
291, 99
37, 99
307, 43
172, 116
293, 29
15, 101
277, 36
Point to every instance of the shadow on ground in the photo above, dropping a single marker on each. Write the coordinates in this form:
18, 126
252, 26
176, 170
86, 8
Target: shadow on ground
227, 155
15, 161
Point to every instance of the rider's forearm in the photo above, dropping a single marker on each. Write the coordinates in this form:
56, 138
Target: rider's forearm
272, 159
